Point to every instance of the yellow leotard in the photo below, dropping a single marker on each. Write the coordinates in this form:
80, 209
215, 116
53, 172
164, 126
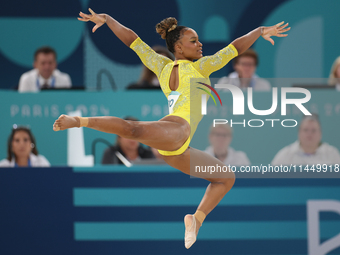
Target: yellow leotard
187, 104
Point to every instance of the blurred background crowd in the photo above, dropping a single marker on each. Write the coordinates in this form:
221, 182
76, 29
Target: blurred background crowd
45, 50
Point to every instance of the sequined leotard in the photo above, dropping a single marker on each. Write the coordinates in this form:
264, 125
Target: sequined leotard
185, 102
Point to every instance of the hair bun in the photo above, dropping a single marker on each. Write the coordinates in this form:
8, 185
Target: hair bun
172, 28
166, 26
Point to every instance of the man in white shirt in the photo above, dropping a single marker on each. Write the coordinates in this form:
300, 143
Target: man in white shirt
245, 73
44, 75
308, 149
220, 138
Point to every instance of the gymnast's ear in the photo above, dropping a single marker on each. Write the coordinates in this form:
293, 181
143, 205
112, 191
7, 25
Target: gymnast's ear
178, 47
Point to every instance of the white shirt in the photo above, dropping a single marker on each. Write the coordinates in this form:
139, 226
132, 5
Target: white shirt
337, 86
31, 81
293, 154
256, 82
234, 158
36, 161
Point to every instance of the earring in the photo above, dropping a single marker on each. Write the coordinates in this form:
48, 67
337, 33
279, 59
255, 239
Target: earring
32, 145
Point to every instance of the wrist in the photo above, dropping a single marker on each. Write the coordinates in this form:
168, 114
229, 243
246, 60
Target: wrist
106, 17
82, 122
262, 30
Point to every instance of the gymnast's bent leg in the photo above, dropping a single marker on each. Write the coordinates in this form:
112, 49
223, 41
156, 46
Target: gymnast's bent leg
215, 191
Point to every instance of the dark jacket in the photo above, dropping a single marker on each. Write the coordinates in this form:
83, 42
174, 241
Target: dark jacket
110, 157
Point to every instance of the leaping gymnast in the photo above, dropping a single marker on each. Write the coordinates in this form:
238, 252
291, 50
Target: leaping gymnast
171, 135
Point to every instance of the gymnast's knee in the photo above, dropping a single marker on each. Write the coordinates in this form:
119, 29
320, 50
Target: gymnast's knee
228, 182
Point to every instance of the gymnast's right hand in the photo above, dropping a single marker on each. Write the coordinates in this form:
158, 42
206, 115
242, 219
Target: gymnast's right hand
98, 19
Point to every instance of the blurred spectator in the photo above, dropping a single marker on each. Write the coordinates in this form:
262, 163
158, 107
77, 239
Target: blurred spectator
156, 153
245, 75
158, 157
334, 76
132, 150
22, 150
44, 75
220, 138
309, 149
148, 79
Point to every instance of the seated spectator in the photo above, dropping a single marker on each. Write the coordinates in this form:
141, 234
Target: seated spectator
245, 75
148, 79
22, 150
309, 149
132, 150
45, 74
220, 138
334, 76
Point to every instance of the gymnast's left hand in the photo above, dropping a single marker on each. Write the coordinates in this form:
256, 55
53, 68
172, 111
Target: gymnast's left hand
98, 19
276, 30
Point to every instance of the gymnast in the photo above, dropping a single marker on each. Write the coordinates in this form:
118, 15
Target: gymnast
171, 135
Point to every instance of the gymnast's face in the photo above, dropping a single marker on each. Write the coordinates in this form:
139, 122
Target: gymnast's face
189, 45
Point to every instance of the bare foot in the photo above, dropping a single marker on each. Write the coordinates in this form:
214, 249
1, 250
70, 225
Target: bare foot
191, 230
65, 122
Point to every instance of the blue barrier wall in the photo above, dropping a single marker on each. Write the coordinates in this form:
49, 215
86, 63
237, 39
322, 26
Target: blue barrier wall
115, 210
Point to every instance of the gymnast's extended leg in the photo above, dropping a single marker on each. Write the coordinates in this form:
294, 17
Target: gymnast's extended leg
169, 133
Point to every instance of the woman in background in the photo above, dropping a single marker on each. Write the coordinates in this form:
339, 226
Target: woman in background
334, 76
22, 150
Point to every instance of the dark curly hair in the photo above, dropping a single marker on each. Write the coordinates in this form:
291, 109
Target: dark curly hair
172, 36
10, 140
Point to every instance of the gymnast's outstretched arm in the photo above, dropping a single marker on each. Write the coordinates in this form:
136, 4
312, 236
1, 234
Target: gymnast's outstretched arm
244, 42
152, 60
210, 64
126, 35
